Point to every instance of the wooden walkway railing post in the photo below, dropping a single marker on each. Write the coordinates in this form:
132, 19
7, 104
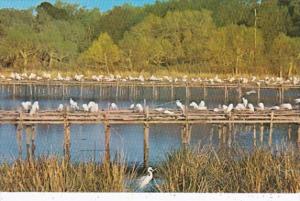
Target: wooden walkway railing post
19, 139
107, 138
146, 137
271, 129
289, 132
254, 135
298, 137
226, 94
30, 146
261, 133
67, 138
258, 94
172, 92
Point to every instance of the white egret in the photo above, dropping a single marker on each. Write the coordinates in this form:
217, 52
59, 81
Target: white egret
194, 105
168, 112
35, 107
139, 108
245, 101
74, 104
286, 106
261, 106
26, 105
113, 106
251, 107
131, 106
144, 180
180, 105
250, 92
202, 106
60, 108
297, 100
85, 107
229, 108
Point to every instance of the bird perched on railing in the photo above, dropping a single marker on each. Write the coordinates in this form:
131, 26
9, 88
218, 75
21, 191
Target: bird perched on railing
180, 105
93, 107
26, 106
34, 108
60, 108
286, 106
74, 104
202, 106
113, 106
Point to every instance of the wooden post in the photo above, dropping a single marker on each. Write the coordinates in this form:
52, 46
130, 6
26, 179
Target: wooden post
117, 91
33, 134
254, 135
146, 144
271, 129
258, 95
224, 130
185, 135
107, 142
220, 134
81, 90
63, 91
187, 94
204, 92
172, 92
67, 139
226, 94
29, 132
229, 134
298, 137
261, 133
240, 91
289, 132
30, 88
282, 94
19, 139
14, 90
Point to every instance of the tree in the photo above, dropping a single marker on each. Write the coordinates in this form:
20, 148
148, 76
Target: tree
20, 42
102, 52
234, 48
285, 54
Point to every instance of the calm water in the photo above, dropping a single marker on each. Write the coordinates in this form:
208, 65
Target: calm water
87, 141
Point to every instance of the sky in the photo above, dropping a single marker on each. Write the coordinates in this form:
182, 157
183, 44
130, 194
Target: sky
103, 5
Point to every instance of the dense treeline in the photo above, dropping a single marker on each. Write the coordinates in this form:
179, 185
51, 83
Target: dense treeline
206, 36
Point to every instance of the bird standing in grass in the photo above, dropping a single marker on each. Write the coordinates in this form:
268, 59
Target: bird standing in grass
144, 180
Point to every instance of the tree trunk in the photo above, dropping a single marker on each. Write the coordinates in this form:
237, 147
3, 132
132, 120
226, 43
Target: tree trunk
25, 57
106, 63
290, 69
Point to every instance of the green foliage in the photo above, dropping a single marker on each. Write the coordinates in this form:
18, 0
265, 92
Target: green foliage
285, 54
102, 53
187, 35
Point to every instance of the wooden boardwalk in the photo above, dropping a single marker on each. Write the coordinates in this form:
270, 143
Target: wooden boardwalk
110, 117
126, 116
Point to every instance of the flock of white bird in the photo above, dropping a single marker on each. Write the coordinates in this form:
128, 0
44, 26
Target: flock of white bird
92, 106
79, 77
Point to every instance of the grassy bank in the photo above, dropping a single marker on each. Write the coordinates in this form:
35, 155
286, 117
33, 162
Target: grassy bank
201, 170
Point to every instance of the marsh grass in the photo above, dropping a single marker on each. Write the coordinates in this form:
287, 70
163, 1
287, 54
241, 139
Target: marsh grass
230, 170
53, 175
187, 170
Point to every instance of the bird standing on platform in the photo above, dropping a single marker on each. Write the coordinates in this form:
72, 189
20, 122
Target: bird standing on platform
26, 106
180, 105
74, 105
202, 106
113, 106
35, 107
60, 108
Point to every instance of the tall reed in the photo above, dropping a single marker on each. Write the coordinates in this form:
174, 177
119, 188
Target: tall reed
53, 175
230, 170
